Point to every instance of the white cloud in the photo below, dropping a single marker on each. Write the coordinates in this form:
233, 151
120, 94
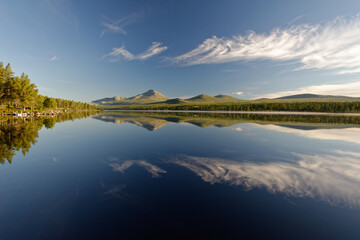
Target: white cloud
331, 45
154, 49
333, 178
122, 166
121, 52
238, 93
53, 58
119, 25
112, 27
347, 89
296, 19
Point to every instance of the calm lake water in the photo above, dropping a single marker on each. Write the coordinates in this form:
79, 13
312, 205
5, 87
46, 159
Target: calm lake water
185, 176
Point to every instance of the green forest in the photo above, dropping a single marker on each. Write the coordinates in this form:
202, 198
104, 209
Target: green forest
331, 107
19, 94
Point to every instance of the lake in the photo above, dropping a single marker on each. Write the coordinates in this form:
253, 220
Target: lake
122, 175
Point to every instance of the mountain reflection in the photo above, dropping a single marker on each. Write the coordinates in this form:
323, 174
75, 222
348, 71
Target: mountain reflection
155, 120
333, 178
19, 134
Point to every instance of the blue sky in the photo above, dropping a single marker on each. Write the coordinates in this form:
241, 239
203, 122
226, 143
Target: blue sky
85, 50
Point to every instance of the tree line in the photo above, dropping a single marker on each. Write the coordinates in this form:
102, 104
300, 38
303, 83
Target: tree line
333, 107
19, 93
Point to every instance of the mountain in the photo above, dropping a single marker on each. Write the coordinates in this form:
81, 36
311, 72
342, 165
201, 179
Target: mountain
227, 98
109, 99
175, 101
202, 97
150, 96
153, 97
318, 97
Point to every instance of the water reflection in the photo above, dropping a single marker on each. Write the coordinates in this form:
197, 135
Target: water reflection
153, 121
349, 134
111, 181
19, 134
121, 166
333, 178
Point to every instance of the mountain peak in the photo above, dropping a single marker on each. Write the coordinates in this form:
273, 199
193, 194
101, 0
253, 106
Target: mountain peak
201, 97
151, 95
311, 95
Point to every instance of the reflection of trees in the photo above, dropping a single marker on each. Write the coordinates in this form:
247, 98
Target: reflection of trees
19, 134
49, 122
156, 120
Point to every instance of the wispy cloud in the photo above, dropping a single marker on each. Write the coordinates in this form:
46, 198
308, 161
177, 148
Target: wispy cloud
122, 166
238, 93
347, 89
119, 53
154, 49
296, 19
53, 58
331, 45
118, 26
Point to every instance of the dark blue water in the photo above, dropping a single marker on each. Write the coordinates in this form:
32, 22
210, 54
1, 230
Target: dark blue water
141, 176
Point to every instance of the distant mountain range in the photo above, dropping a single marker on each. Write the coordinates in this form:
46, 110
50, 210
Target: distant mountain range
146, 97
154, 97
314, 96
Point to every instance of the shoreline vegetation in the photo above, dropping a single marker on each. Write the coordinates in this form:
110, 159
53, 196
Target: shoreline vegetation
252, 106
153, 100
238, 112
20, 97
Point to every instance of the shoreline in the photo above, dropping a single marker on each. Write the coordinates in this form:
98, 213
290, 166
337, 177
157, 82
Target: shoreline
41, 113
240, 112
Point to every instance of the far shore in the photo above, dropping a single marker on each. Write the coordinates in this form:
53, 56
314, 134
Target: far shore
241, 112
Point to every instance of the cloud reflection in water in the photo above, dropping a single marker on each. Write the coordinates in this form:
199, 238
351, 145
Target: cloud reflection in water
332, 178
122, 166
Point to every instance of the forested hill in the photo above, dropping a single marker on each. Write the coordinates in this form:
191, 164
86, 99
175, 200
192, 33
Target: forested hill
19, 94
316, 96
